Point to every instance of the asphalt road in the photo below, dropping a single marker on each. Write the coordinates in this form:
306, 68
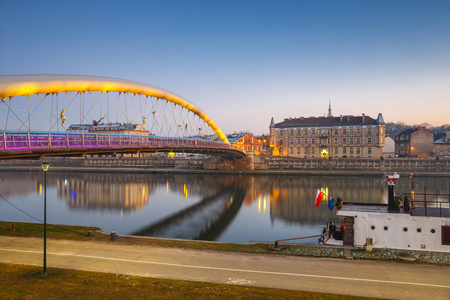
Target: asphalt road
334, 276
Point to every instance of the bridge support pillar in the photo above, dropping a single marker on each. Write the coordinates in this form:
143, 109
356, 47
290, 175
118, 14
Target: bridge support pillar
231, 164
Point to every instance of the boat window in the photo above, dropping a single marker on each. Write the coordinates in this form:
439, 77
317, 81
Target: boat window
433, 230
405, 229
386, 228
372, 227
419, 230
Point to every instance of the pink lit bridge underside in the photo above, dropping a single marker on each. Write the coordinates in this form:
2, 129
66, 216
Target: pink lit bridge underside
30, 144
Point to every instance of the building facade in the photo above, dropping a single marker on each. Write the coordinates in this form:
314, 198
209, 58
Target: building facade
343, 136
415, 142
441, 147
247, 142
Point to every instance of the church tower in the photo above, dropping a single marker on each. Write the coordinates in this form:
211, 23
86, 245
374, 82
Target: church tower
329, 115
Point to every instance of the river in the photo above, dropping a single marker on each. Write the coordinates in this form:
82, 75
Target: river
225, 208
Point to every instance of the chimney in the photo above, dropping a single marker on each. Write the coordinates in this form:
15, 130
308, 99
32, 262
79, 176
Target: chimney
340, 118
363, 117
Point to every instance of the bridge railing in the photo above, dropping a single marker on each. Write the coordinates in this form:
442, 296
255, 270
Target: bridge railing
42, 140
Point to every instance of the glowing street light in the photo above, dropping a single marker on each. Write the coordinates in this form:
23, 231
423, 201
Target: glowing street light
45, 166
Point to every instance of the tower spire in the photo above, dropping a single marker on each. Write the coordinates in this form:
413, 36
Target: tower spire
329, 109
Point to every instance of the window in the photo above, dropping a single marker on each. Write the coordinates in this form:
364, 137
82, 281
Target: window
358, 151
351, 150
298, 141
357, 140
335, 140
445, 235
313, 132
369, 140
344, 150
313, 141
369, 130
292, 132
298, 150
306, 131
313, 150
306, 141
351, 130
292, 150
281, 142
281, 132
292, 141
344, 140
306, 150
357, 130
369, 150
298, 132
344, 131
335, 150
336, 131
351, 140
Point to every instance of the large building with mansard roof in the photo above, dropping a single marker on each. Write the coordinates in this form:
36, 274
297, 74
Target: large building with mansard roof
335, 137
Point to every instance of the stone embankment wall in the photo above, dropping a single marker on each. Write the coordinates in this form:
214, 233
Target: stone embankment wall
250, 163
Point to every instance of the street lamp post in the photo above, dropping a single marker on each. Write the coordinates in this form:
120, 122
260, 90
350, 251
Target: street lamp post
45, 166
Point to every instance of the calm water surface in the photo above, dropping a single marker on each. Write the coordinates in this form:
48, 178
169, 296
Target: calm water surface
224, 208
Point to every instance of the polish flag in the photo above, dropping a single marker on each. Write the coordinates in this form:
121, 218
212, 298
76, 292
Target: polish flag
319, 197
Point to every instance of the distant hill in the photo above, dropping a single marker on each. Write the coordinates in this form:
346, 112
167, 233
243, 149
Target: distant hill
395, 128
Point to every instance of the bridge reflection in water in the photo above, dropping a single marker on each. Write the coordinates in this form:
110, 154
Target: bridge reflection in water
206, 207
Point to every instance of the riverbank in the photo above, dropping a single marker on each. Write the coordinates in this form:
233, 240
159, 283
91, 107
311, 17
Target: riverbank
94, 234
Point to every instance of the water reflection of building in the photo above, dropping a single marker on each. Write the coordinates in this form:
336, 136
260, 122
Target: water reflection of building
127, 191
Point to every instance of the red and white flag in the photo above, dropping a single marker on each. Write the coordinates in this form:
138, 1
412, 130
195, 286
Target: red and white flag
410, 176
319, 197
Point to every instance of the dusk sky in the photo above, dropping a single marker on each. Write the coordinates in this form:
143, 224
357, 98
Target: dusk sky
244, 62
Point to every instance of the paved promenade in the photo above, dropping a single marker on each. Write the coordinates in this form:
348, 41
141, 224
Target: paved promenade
334, 276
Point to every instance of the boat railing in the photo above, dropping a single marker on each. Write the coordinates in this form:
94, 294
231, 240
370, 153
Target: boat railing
425, 204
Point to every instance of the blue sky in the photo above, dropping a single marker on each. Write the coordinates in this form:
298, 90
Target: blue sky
244, 62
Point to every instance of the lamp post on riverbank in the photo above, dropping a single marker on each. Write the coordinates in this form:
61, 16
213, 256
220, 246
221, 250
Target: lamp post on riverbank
45, 166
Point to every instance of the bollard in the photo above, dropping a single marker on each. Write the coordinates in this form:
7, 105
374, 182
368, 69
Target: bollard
369, 243
90, 233
276, 245
113, 235
13, 227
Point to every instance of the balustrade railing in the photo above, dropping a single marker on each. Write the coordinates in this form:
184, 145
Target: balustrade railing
40, 140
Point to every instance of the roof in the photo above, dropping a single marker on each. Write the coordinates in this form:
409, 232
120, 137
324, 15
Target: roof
328, 121
232, 138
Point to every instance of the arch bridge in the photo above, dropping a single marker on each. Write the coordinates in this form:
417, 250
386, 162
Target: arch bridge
54, 115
